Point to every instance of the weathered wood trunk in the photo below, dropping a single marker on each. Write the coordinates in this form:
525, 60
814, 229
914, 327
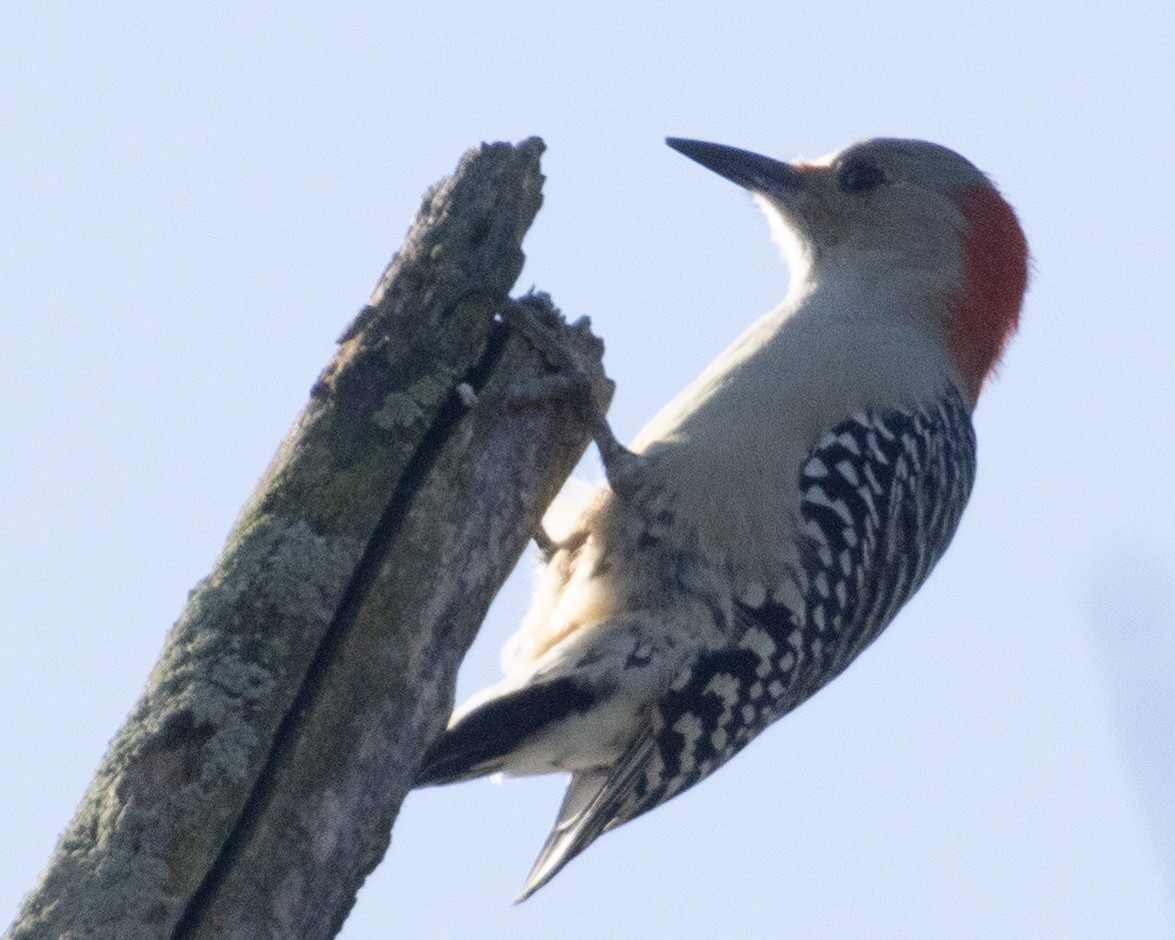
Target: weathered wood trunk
255, 783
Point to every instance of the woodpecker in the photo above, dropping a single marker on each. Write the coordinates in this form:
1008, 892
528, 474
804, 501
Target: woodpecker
777, 513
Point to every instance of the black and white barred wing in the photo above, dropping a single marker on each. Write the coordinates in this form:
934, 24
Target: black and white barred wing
882, 494
881, 497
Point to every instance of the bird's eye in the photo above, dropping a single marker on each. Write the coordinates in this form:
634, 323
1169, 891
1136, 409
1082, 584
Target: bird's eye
860, 176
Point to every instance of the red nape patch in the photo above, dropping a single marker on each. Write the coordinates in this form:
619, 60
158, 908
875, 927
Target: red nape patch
995, 267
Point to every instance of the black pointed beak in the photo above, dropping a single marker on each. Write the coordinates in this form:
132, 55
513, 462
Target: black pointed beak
757, 173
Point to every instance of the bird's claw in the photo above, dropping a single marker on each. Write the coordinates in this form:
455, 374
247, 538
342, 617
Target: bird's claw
531, 316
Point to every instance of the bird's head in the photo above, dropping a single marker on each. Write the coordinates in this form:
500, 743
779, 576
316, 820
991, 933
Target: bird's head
902, 216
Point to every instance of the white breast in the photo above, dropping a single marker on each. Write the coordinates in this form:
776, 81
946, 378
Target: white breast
730, 446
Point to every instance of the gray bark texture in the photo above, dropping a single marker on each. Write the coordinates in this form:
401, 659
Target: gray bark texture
255, 783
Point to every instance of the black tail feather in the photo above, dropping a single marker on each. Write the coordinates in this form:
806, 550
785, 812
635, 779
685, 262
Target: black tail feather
477, 744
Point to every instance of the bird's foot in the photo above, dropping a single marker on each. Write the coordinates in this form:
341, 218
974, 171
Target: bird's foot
532, 317
546, 545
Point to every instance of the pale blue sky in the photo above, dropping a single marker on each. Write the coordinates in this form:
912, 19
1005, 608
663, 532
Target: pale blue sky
194, 200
